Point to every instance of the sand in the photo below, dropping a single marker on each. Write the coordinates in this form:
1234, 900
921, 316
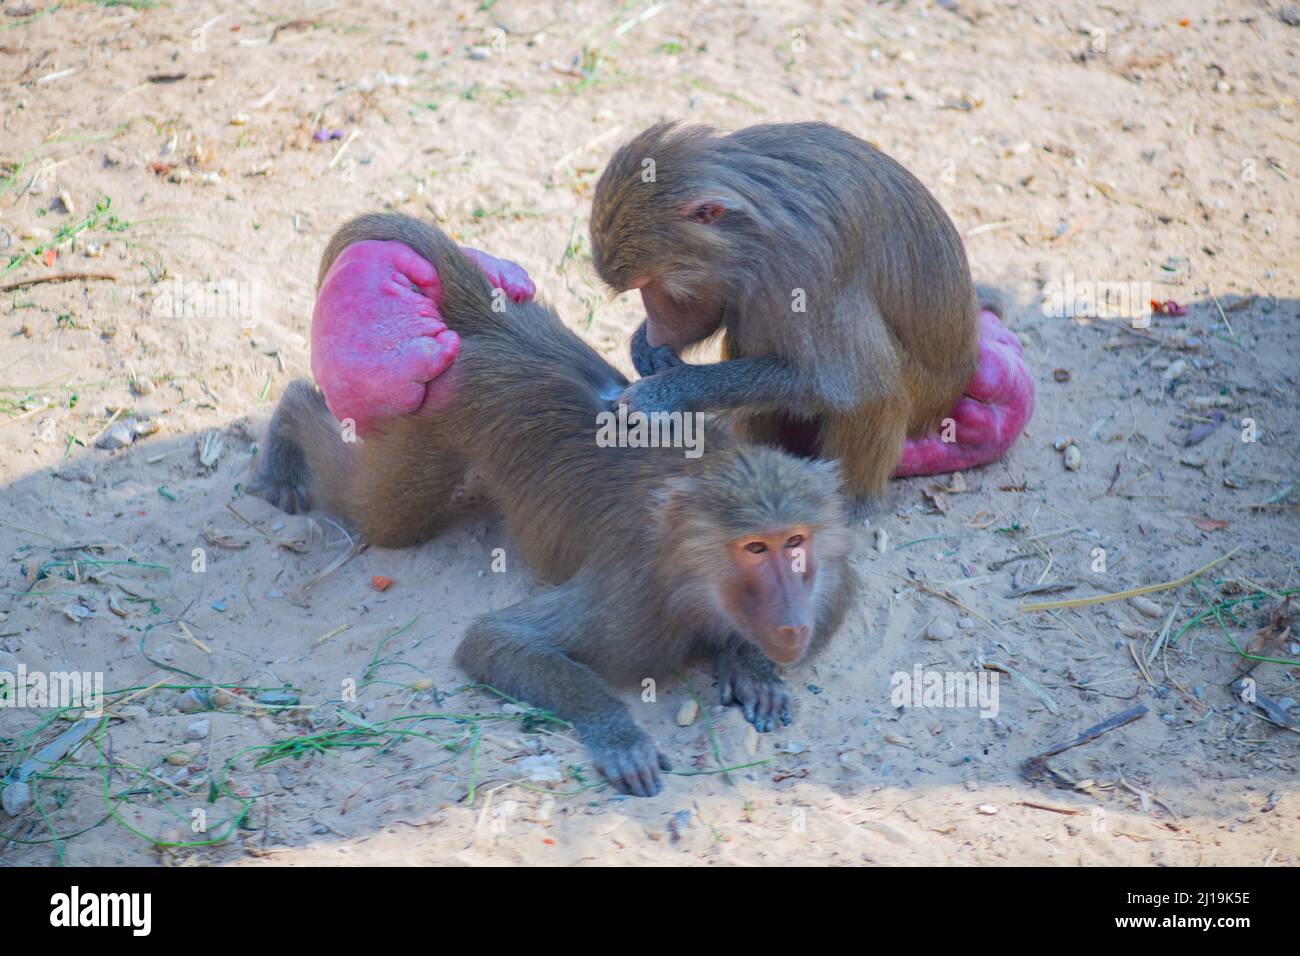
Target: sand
1069, 143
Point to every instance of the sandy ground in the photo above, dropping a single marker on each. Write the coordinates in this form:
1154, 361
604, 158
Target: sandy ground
1067, 141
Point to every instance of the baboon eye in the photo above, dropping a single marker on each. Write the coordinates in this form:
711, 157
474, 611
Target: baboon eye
795, 541
756, 547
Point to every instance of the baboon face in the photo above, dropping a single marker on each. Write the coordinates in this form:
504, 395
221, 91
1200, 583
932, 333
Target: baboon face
769, 590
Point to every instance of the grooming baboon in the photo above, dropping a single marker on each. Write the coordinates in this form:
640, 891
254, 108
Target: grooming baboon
739, 557
840, 286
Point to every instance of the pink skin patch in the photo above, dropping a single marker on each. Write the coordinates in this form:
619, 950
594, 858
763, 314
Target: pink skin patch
987, 420
378, 341
379, 348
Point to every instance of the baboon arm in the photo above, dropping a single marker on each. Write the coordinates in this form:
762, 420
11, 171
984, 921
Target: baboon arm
987, 419
378, 339
523, 659
736, 383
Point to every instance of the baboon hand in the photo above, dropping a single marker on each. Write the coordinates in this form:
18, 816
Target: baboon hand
747, 679
628, 758
649, 395
650, 359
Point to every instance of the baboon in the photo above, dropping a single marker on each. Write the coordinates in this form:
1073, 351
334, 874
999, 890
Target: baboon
738, 557
839, 284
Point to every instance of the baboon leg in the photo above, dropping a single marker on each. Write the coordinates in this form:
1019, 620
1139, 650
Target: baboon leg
867, 442
284, 475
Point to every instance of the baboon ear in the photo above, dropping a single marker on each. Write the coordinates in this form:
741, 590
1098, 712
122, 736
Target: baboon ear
671, 497
706, 210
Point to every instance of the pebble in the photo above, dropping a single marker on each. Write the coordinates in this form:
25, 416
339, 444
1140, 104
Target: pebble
1176, 369
184, 756
199, 730
966, 623
542, 768
939, 630
1073, 458
16, 798
65, 201
1147, 607
480, 52
687, 713
239, 119
988, 809
92, 249
192, 701
141, 427
118, 435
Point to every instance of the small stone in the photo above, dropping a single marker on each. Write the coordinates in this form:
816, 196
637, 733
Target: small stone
966, 623
184, 756
939, 630
480, 52
199, 730
15, 798
1176, 369
239, 119
542, 768
140, 427
210, 178
687, 713
92, 249
1073, 458
193, 701
222, 698
76, 613
65, 202
118, 435
1146, 607
143, 386
988, 809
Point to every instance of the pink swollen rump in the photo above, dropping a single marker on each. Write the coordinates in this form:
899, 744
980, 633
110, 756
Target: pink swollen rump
378, 341
987, 419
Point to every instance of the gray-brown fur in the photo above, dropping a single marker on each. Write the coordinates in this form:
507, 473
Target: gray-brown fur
633, 536
890, 335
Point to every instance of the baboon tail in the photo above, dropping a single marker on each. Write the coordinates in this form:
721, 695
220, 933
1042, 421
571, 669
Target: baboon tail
467, 296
